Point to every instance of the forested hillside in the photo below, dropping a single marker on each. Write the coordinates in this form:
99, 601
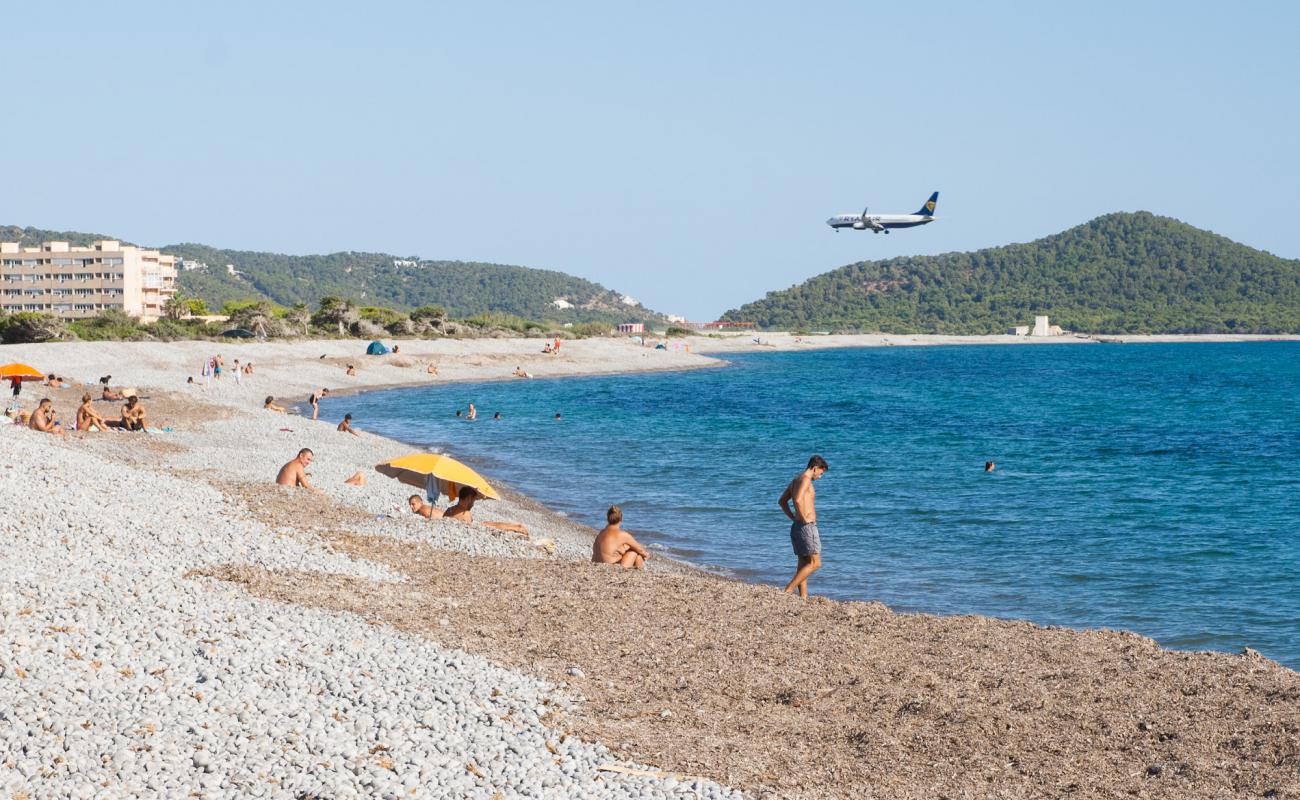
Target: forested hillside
463, 289
1120, 273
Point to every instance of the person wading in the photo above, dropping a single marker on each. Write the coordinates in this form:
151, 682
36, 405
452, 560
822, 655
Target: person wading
804, 536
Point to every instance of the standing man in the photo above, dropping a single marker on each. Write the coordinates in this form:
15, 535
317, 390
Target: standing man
804, 536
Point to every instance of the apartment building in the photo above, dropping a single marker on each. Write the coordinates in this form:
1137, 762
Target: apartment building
72, 282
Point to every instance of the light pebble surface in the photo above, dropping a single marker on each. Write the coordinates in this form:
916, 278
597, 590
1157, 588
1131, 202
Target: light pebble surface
122, 677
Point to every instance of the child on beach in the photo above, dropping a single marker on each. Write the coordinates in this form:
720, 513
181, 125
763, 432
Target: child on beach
614, 545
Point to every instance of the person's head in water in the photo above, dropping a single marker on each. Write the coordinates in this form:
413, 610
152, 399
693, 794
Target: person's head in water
459, 413
496, 415
614, 515
818, 466
989, 466
557, 416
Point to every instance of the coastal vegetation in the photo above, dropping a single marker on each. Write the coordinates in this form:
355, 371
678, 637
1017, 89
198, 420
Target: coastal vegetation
216, 276
333, 317
1134, 273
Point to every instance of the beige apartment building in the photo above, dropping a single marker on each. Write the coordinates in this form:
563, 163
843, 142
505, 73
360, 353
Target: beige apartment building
66, 281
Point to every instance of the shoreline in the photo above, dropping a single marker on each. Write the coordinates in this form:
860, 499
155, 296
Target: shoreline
919, 699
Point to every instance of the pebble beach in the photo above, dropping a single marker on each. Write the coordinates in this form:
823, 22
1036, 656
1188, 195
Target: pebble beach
176, 626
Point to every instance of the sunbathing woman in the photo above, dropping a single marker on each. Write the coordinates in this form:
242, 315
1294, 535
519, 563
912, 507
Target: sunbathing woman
87, 416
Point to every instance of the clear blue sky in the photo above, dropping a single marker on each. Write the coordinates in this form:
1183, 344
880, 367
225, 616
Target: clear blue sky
685, 153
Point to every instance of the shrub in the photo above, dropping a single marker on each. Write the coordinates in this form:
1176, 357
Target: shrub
427, 313
27, 327
583, 330
111, 325
675, 330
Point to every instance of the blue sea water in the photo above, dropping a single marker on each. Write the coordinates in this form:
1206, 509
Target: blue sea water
1149, 487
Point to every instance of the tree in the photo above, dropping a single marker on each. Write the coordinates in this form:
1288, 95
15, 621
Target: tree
298, 316
258, 318
30, 327
336, 311
176, 307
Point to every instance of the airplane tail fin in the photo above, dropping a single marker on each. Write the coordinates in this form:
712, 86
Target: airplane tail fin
927, 210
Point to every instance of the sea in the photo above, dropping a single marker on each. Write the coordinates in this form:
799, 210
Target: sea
1147, 487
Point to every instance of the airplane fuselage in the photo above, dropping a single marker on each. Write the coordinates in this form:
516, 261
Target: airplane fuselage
877, 222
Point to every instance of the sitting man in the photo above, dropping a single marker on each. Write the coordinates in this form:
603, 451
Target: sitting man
614, 545
109, 394
520, 372
346, 425
44, 419
88, 416
462, 511
295, 472
133, 417
422, 508
269, 405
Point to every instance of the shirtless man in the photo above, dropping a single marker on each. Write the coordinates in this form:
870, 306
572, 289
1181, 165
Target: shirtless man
462, 511
804, 536
44, 419
270, 405
346, 425
133, 417
87, 415
109, 394
422, 508
614, 545
352, 371
295, 472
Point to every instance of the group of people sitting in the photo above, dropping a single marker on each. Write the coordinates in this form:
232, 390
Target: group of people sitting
612, 545
46, 420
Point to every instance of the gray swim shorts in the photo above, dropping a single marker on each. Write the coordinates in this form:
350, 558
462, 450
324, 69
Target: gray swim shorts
805, 539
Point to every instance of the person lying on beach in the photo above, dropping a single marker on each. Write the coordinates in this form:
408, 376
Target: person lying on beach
352, 370
270, 405
462, 511
133, 416
422, 508
346, 425
295, 472
432, 369
109, 394
55, 382
614, 545
44, 419
88, 416
520, 373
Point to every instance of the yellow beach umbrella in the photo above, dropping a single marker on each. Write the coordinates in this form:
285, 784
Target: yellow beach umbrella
418, 468
20, 371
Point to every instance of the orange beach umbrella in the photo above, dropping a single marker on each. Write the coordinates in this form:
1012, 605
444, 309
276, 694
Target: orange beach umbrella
20, 372
424, 469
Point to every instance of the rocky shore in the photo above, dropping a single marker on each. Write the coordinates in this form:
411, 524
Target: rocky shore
173, 625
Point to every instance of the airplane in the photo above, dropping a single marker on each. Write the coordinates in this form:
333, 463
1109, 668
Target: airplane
883, 222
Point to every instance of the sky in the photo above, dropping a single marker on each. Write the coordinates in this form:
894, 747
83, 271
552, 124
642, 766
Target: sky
687, 154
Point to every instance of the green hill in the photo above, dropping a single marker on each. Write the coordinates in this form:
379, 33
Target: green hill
464, 289
1120, 273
